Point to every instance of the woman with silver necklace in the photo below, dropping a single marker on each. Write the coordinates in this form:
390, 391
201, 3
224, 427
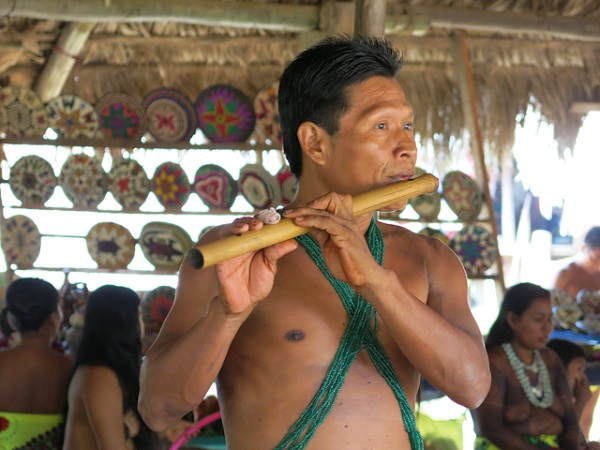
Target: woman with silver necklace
529, 404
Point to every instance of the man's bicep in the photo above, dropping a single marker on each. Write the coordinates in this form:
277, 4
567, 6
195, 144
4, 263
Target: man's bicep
195, 289
448, 290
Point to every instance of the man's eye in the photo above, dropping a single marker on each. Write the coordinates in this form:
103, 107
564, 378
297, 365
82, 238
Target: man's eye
408, 126
381, 126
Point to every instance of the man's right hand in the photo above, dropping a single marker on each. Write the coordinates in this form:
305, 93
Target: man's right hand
246, 280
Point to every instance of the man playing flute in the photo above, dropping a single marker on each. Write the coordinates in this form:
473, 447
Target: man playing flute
320, 342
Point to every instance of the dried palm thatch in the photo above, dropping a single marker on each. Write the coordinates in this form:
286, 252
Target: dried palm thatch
510, 70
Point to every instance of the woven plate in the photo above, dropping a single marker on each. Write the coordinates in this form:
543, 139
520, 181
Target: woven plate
121, 116
155, 305
287, 183
21, 241
25, 114
225, 114
32, 180
259, 187
111, 245
267, 113
170, 115
463, 195
171, 186
164, 244
215, 186
128, 183
72, 117
475, 247
84, 181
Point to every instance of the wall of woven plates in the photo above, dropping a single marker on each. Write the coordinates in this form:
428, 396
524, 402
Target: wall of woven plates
223, 114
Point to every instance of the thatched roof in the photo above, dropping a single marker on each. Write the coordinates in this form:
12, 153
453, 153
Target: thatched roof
510, 66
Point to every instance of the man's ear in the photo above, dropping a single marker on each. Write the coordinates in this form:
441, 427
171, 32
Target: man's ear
314, 141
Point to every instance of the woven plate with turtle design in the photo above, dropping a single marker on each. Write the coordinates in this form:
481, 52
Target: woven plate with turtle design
111, 245
32, 180
164, 244
121, 116
225, 114
24, 113
72, 117
170, 115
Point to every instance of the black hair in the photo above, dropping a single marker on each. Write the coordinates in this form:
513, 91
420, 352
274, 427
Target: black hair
30, 301
314, 86
592, 238
112, 337
567, 351
517, 300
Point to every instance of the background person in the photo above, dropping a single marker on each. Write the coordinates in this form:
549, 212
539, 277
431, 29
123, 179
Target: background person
33, 376
104, 390
529, 405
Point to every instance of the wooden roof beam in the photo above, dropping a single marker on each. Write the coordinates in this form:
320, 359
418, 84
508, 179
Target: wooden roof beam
293, 17
59, 64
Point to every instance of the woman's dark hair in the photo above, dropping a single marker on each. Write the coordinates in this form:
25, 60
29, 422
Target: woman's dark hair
29, 302
517, 300
314, 86
111, 337
567, 351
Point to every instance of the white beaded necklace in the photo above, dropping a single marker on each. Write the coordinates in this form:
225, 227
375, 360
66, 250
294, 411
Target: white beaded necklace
540, 399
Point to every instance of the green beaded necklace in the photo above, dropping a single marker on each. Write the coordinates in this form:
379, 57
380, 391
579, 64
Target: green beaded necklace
359, 335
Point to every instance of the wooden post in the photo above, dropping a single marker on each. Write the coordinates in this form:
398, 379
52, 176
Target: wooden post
369, 19
54, 75
469, 103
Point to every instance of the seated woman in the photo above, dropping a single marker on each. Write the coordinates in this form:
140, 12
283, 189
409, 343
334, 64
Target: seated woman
33, 376
573, 359
529, 405
104, 390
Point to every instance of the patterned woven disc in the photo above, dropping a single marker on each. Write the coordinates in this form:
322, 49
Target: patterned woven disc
287, 182
225, 114
121, 116
25, 112
428, 231
267, 113
164, 244
170, 115
84, 181
171, 186
32, 180
475, 247
21, 241
155, 305
72, 117
215, 186
128, 183
463, 195
111, 245
259, 187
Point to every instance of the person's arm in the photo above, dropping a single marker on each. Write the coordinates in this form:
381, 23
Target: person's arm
489, 417
571, 435
102, 397
561, 280
440, 339
210, 305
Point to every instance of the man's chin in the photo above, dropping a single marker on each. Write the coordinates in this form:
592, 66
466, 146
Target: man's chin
395, 208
